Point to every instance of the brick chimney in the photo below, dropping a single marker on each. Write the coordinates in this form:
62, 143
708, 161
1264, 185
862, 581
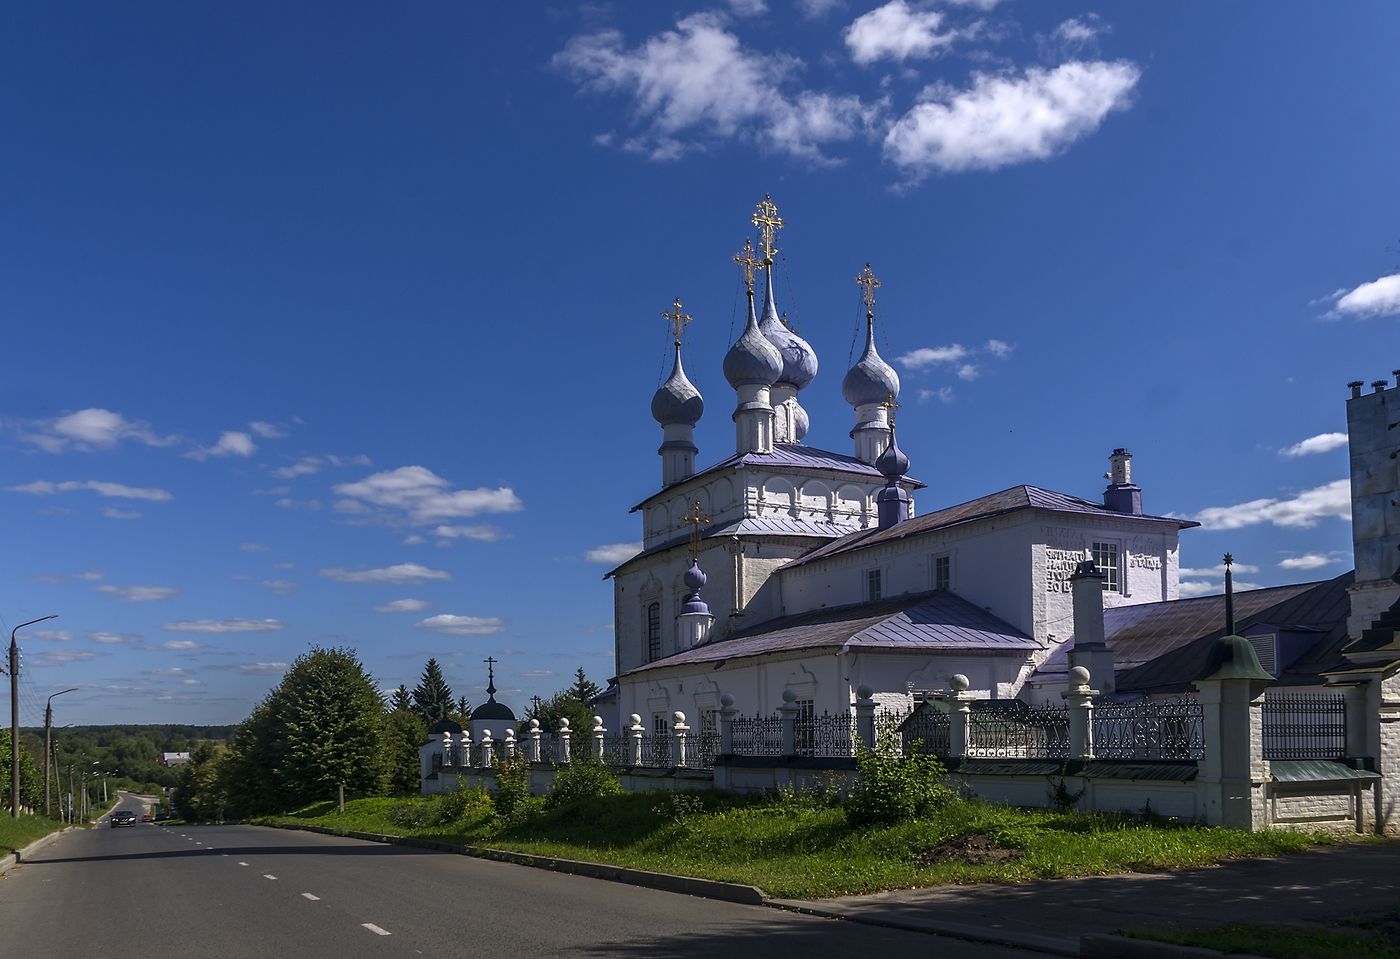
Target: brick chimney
1122, 496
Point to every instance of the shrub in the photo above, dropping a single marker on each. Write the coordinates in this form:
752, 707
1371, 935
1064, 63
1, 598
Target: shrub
583, 779
462, 802
416, 815
512, 785
892, 787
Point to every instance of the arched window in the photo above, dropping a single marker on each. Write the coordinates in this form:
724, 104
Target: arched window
654, 632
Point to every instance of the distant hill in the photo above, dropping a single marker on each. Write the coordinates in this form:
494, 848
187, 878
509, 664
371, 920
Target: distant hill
130, 751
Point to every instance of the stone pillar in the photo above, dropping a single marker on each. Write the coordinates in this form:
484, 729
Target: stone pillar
678, 731
1089, 649
510, 744
1358, 739
563, 757
958, 717
1081, 714
598, 732
635, 732
788, 712
1233, 772
464, 747
487, 759
533, 751
447, 757
727, 713
865, 717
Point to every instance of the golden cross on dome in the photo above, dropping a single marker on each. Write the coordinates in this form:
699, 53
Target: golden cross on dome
677, 320
891, 404
696, 519
769, 223
867, 280
748, 263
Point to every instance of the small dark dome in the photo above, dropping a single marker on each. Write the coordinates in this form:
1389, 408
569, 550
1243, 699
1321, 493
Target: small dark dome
492, 710
892, 462
445, 725
677, 401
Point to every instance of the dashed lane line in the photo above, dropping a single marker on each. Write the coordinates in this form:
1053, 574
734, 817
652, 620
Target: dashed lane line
243, 864
375, 929
307, 895
268, 876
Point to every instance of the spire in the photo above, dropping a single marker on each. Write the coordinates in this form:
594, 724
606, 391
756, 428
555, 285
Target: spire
1229, 596
799, 359
870, 382
695, 618
1231, 656
892, 502
677, 406
490, 679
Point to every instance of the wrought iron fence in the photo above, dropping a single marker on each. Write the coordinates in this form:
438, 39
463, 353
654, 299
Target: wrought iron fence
1149, 729
824, 736
701, 750
927, 729
1304, 726
758, 736
656, 750
1011, 729
615, 749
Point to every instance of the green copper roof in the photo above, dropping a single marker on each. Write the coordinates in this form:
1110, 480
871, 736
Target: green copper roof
1233, 658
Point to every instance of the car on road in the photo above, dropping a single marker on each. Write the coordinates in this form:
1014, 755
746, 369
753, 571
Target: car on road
123, 817
148, 818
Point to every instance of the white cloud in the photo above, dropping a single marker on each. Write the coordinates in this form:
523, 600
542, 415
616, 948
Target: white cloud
748, 8
177, 645
280, 587
1321, 443
117, 490
403, 574
1304, 510
613, 553
1075, 31
139, 594
943, 393
230, 444
268, 431
1007, 119
305, 467
412, 540
925, 357
50, 635
60, 657
422, 496
1311, 560
999, 348
191, 682
968, 371
1376, 298
816, 9
224, 626
93, 429
461, 625
698, 77
404, 606
253, 669
483, 531
1187, 590
1216, 571
254, 548
310, 505
91, 575
536, 674
284, 565
274, 491
114, 637
896, 32
176, 671
111, 512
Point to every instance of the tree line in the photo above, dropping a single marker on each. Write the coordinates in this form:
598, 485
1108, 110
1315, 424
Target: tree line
326, 726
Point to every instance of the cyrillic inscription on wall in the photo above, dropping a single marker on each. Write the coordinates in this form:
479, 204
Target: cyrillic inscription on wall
1059, 567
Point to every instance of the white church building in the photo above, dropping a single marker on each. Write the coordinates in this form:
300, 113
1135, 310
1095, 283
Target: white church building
789, 567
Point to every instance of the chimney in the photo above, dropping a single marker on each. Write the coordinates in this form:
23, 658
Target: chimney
1090, 650
1379, 386
1122, 496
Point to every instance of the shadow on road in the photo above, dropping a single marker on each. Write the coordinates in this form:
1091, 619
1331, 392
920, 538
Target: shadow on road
234, 851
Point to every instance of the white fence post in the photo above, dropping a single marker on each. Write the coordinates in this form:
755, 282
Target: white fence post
678, 731
958, 717
533, 750
634, 743
726, 724
447, 750
1081, 714
865, 717
788, 712
598, 732
510, 743
486, 756
563, 757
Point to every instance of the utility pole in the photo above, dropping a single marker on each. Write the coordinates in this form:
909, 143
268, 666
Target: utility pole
48, 746
14, 714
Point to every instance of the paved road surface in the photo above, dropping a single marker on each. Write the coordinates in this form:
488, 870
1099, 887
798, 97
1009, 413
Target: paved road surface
152, 892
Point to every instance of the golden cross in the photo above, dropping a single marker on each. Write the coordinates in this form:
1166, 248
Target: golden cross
696, 519
748, 263
769, 223
891, 404
867, 280
677, 320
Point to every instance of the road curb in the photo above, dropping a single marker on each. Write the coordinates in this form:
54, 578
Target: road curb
1103, 946
687, 885
955, 930
17, 857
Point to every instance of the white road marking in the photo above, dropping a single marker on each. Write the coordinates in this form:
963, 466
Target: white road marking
375, 929
243, 864
307, 895
268, 876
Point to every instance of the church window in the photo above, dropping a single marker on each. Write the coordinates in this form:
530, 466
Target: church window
659, 726
654, 632
1106, 559
806, 727
872, 583
942, 572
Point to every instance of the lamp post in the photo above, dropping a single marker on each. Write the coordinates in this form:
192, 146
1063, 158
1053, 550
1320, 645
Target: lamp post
48, 745
14, 714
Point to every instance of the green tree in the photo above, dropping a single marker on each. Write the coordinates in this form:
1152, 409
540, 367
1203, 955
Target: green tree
321, 728
432, 697
404, 732
31, 781
401, 699
583, 689
203, 792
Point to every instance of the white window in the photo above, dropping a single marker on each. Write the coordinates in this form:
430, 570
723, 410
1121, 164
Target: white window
1106, 559
659, 725
943, 572
872, 584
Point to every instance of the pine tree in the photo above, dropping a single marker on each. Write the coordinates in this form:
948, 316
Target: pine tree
403, 732
432, 698
401, 701
464, 707
583, 688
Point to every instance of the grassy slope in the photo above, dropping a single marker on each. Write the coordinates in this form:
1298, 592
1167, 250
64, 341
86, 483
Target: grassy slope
804, 849
18, 833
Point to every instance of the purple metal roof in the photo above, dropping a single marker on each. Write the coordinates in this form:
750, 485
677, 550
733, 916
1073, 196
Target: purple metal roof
996, 504
925, 621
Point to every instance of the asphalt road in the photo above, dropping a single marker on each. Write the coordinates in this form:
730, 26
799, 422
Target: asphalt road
244, 891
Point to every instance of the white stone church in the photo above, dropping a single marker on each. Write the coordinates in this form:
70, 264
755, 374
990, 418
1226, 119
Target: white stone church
815, 573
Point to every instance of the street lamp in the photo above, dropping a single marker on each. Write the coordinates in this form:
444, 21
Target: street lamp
48, 748
14, 714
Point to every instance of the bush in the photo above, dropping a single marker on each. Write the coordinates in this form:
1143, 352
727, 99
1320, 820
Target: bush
416, 815
894, 788
583, 779
512, 785
462, 802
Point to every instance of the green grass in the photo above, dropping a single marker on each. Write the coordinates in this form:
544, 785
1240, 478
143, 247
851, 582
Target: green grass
802, 848
1279, 943
18, 833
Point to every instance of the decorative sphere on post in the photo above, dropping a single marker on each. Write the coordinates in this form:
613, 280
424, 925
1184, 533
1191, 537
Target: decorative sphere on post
789, 696
636, 719
863, 691
726, 700
1079, 676
678, 717
534, 725
597, 722
958, 683
563, 724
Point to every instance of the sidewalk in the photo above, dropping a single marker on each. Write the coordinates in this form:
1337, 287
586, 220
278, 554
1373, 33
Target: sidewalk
1318, 886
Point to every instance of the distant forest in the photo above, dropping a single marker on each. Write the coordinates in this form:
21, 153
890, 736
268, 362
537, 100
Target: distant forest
124, 752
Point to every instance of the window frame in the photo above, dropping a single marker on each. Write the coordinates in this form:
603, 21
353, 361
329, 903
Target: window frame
1113, 574
653, 628
943, 564
874, 584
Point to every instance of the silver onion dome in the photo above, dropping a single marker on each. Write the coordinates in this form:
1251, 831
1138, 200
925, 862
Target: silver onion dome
677, 400
871, 380
799, 359
752, 359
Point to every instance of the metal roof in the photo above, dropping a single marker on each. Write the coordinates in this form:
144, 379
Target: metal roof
1315, 770
996, 504
788, 456
923, 621
773, 526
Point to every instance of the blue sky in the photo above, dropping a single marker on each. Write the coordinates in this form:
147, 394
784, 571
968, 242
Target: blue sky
313, 311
